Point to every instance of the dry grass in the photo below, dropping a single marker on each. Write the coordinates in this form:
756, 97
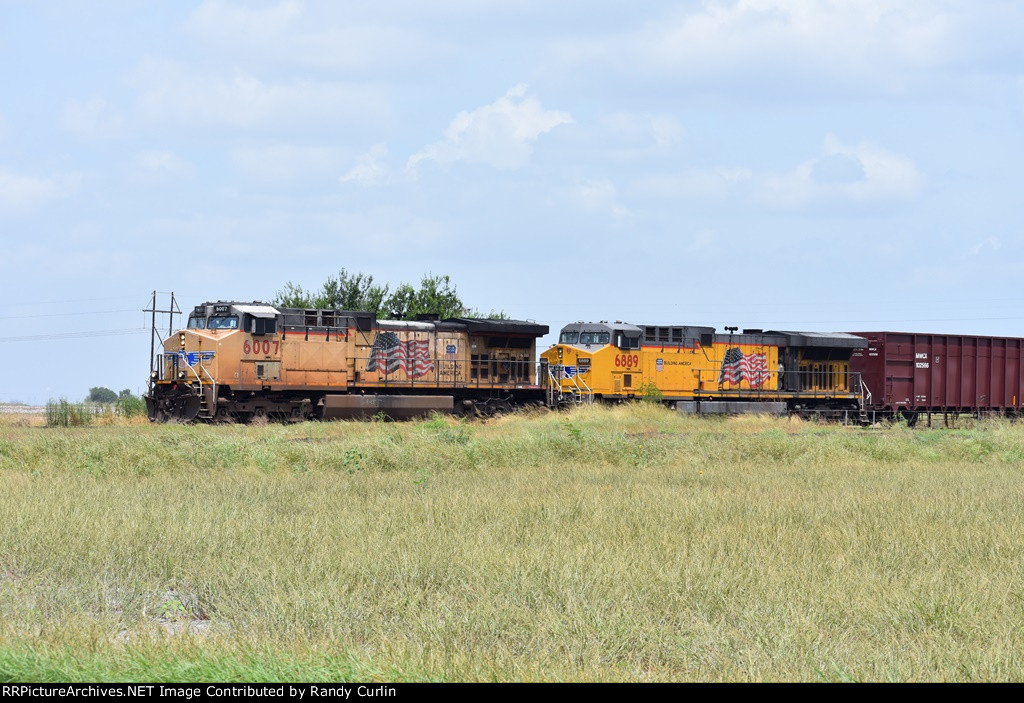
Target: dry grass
630, 543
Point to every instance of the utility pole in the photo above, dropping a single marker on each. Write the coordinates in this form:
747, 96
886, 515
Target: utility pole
154, 336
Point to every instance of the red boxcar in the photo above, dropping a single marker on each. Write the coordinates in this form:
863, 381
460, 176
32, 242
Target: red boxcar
941, 372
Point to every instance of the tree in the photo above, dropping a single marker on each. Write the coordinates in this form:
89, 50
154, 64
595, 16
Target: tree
436, 295
345, 291
101, 395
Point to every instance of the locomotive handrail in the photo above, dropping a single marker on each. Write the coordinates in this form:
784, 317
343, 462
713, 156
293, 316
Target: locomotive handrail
865, 391
213, 381
582, 395
517, 374
586, 393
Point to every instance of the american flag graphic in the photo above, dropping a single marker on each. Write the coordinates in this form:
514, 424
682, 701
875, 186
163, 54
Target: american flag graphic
736, 366
389, 354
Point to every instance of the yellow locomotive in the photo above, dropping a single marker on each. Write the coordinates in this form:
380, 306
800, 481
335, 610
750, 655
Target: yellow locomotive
701, 371
238, 361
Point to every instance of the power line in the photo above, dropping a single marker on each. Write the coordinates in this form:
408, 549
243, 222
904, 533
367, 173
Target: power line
75, 335
69, 302
66, 314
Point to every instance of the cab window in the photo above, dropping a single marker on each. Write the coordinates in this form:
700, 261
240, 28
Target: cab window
624, 342
197, 323
569, 338
595, 337
223, 323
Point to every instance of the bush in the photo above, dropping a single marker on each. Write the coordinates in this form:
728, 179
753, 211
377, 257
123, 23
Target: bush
650, 392
61, 413
129, 405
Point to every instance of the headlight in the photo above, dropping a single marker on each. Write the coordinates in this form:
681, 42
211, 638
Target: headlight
181, 339
154, 375
181, 374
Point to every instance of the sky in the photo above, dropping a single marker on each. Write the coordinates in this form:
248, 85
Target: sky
825, 165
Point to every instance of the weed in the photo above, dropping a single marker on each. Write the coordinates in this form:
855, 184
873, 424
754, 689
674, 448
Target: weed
422, 476
574, 432
353, 461
61, 413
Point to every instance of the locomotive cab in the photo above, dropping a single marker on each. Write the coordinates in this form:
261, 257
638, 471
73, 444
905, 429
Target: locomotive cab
582, 347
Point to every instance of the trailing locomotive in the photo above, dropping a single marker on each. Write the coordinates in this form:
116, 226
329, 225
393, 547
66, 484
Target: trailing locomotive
701, 371
240, 361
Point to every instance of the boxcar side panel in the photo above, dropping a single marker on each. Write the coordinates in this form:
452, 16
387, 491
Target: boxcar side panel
925, 372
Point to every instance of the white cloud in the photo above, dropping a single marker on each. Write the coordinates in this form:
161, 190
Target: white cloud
663, 131
860, 174
217, 19
371, 168
283, 162
170, 93
25, 193
600, 197
500, 134
323, 35
878, 40
704, 242
992, 243
94, 117
700, 184
159, 164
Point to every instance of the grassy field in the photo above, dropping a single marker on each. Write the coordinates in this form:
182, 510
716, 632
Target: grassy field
606, 544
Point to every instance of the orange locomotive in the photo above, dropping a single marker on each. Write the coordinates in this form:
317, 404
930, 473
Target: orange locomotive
239, 361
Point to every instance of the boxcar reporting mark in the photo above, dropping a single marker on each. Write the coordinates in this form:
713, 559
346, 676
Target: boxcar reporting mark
389, 354
736, 366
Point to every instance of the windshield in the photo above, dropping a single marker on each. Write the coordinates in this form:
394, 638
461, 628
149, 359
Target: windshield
595, 338
569, 338
197, 323
223, 323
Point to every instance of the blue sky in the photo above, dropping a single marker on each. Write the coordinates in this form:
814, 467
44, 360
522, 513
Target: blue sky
823, 165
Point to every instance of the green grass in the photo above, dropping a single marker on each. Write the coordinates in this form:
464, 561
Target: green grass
607, 544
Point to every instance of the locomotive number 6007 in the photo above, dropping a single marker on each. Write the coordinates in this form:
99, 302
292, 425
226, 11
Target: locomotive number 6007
264, 347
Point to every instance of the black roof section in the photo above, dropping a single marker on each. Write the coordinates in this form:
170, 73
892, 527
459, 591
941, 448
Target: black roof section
480, 325
834, 340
